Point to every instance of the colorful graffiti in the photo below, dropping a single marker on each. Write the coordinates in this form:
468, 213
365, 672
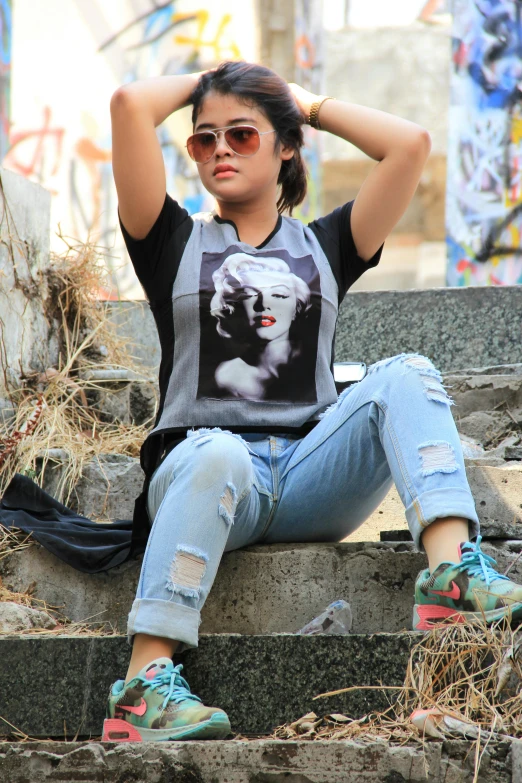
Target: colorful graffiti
308, 58
484, 187
5, 73
72, 158
37, 152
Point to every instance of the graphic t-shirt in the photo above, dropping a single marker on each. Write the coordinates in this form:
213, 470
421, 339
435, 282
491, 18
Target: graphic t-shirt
247, 333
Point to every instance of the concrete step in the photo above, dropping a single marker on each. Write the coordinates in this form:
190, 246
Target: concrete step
51, 685
438, 322
258, 761
274, 588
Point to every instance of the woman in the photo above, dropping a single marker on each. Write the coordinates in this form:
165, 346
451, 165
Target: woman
225, 473
257, 304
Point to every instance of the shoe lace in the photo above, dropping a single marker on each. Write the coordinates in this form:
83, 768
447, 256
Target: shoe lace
477, 563
173, 686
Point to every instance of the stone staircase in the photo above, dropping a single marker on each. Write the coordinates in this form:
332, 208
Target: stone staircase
250, 660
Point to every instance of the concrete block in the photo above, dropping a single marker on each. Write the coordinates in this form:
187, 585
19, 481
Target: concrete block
498, 499
136, 324
260, 681
255, 761
124, 401
497, 492
439, 323
16, 617
484, 392
274, 588
107, 488
516, 760
27, 334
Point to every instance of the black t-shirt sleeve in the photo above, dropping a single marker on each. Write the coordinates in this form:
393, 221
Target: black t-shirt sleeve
335, 237
157, 256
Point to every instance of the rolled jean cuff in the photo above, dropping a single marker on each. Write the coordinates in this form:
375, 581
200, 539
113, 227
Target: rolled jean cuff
438, 503
155, 617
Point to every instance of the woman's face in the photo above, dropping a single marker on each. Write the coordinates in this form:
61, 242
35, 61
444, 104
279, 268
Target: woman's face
249, 177
270, 303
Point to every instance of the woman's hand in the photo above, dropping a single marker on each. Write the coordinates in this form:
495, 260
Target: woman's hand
303, 98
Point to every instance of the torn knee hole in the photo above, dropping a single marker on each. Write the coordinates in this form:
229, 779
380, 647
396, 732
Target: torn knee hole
431, 379
186, 571
437, 457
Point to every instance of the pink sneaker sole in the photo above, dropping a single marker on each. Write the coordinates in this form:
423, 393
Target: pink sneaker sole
425, 616
119, 730
116, 730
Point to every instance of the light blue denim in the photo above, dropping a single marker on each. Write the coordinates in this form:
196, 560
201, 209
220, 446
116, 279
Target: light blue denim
217, 491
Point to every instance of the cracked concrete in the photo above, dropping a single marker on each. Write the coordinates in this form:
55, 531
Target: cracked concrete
257, 761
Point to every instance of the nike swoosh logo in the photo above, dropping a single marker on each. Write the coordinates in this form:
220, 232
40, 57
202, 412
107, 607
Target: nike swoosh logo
140, 710
453, 593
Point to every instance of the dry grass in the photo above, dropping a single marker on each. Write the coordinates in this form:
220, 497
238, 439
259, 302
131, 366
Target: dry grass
52, 407
13, 540
460, 670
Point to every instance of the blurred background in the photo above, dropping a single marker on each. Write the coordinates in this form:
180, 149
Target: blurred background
453, 67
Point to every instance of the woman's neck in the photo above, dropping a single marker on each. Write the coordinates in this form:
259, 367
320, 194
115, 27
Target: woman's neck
254, 223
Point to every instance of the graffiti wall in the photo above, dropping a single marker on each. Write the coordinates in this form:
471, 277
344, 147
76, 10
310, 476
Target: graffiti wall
309, 71
68, 58
5, 73
484, 187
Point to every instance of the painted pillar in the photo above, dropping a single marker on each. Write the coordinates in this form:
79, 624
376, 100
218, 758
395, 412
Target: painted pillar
309, 73
291, 43
5, 74
484, 185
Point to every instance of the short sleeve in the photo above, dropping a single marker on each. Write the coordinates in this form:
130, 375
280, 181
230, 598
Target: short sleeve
157, 256
334, 234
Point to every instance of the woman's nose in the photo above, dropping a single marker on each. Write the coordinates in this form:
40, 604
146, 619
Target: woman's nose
259, 305
222, 147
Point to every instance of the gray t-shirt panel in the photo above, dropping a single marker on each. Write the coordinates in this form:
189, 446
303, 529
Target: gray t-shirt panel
254, 330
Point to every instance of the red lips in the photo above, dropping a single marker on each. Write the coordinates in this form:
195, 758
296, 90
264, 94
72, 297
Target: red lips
267, 320
223, 167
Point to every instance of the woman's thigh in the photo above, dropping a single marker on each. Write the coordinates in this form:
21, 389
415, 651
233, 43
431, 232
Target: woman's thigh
190, 487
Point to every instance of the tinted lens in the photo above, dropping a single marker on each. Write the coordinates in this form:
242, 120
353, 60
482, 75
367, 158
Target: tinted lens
201, 146
243, 139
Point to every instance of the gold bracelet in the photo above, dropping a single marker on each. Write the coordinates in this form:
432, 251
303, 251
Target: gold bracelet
313, 118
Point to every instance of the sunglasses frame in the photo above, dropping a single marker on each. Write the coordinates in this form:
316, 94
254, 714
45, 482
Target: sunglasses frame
216, 131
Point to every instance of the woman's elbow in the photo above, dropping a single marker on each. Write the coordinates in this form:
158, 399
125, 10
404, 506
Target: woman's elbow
122, 99
422, 142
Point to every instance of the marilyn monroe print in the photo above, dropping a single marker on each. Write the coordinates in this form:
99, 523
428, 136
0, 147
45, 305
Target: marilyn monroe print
264, 318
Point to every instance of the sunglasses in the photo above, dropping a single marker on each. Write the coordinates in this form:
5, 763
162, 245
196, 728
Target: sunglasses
244, 140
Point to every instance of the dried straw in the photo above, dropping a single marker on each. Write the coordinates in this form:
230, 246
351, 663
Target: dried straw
458, 669
52, 407
13, 540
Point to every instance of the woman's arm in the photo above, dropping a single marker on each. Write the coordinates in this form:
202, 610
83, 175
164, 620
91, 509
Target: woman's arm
137, 161
401, 147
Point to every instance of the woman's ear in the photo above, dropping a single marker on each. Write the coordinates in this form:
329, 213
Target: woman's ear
286, 153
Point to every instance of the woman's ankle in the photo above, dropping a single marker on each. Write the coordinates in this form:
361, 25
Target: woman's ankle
441, 540
147, 648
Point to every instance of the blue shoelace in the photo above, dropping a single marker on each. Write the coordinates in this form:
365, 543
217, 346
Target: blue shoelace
173, 685
477, 563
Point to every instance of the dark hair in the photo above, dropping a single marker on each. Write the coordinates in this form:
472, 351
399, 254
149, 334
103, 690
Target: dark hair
256, 84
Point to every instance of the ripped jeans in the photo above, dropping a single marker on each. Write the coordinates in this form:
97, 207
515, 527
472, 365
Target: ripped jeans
217, 491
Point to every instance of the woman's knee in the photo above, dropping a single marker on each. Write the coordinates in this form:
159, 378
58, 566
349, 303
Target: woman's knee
217, 453
405, 368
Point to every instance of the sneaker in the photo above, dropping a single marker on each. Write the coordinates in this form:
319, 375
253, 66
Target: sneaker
157, 705
465, 591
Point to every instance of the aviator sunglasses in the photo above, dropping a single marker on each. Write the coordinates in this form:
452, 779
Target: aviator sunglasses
244, 140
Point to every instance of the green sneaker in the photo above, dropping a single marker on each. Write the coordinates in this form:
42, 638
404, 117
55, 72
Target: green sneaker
157, 705
465, 591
